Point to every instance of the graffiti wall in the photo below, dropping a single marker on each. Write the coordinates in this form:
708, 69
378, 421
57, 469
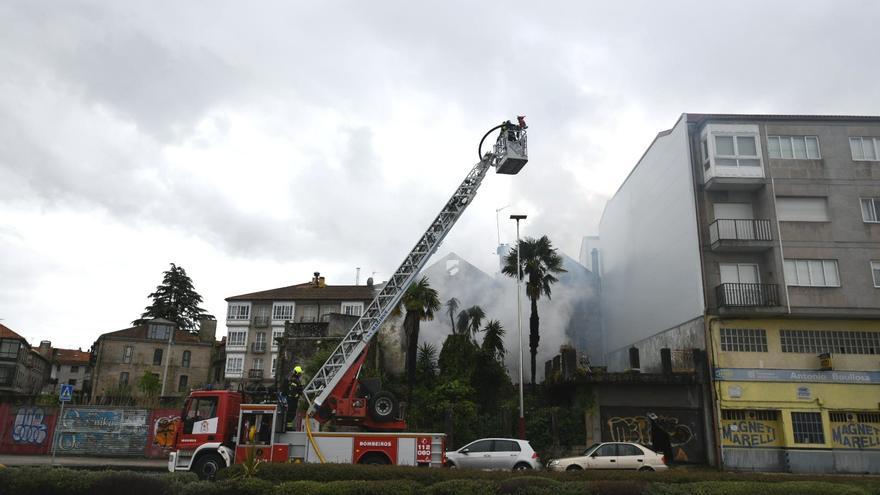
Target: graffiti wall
751, 431
855, 434
100, 430
631, 424
26, 429
163, 427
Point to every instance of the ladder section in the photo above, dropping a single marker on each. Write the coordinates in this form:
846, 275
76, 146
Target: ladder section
356, 340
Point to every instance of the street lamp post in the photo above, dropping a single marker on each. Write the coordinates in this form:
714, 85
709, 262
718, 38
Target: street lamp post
522, 415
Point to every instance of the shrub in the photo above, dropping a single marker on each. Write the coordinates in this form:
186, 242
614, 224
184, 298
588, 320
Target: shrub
299, 488
527, 484
462, 487
754, 487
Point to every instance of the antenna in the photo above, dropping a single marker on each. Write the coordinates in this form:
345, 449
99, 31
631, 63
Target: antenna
497, 225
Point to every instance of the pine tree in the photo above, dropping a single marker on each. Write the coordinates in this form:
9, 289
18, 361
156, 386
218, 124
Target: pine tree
175, 299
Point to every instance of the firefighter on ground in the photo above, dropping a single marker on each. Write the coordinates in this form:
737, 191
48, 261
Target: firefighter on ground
295, 391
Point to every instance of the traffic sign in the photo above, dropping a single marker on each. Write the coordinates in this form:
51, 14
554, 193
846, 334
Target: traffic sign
66, 393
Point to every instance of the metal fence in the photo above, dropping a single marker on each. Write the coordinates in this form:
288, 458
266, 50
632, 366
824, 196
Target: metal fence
747, 295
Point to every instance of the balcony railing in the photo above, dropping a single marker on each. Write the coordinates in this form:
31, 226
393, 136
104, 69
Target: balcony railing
747, 295
262, 321
255, 374
258, 347
739, 230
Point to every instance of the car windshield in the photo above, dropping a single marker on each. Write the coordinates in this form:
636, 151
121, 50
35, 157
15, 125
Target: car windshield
591, 448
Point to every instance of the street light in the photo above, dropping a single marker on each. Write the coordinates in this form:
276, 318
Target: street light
522, 415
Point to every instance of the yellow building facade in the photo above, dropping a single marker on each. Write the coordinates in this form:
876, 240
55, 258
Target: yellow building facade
798, 395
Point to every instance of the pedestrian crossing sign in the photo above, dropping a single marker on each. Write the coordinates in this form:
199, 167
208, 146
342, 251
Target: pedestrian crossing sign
66, 393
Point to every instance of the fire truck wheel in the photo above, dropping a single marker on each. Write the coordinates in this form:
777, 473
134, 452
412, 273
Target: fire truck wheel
383, 407
207, 465
374, 459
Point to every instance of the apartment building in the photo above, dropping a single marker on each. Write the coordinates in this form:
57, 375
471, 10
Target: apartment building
757, 238
180, 360
23, 371
255, 322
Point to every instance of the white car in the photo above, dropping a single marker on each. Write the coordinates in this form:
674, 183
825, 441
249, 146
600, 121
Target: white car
612, 455
495, 453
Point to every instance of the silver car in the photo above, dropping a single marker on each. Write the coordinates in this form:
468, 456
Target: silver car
495, 453
612, 455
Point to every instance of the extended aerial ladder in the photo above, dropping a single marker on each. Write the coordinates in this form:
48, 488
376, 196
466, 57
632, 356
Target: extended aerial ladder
334, 390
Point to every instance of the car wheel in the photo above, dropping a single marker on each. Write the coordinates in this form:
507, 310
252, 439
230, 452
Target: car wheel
451, 465
646, 469
574, 467
207, 466
522, 466
374, 459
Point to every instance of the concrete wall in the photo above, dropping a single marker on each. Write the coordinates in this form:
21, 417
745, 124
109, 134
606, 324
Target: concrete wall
651, 278
687, 336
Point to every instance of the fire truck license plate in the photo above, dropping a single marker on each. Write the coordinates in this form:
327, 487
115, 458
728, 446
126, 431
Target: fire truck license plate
423, 449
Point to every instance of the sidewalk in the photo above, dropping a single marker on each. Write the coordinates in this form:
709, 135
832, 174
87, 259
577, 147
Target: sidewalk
134, 463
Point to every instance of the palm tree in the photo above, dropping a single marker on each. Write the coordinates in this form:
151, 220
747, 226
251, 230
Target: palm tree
470, 322
427, 361
493, 340
420, 302
451, 307
538, 262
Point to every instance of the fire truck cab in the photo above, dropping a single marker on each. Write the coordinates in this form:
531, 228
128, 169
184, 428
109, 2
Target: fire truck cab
217, 430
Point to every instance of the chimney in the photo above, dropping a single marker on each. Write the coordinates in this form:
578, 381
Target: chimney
207, 330
321, 283
594, 255
315, 279
45, 348
370, 282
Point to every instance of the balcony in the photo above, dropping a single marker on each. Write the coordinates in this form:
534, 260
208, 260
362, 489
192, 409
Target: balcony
255, 374
262, 321
737, 295
726, 235
258, 347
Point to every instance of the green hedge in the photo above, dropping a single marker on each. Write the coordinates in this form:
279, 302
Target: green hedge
375, 480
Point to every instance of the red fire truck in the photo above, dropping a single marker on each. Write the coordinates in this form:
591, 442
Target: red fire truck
219, 430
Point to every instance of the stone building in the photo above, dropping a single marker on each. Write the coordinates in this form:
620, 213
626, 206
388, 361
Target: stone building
23, 371
180, 360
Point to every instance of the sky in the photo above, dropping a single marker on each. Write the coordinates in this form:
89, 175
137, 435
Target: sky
254, 144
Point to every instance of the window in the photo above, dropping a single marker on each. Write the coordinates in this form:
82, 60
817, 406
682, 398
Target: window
743, 340
239, 311
274, 366
282, 311
352, 308
236, 338
182, 383
74, 369
9, 349
871, 210
797, 147
123, 378
865, 148
736, 151
276, 336
812, 273
257, 364
72, 382
835, 341
126, 354
234, 365
184, 362
505, 446
740, 415
799, 209
807, 427
199, 410
853, 417
309, 313
158, 332
607, 450
627, 449
704, 152
875, 272
7, 375
261, 339
480, 446
739, 273
157, 357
